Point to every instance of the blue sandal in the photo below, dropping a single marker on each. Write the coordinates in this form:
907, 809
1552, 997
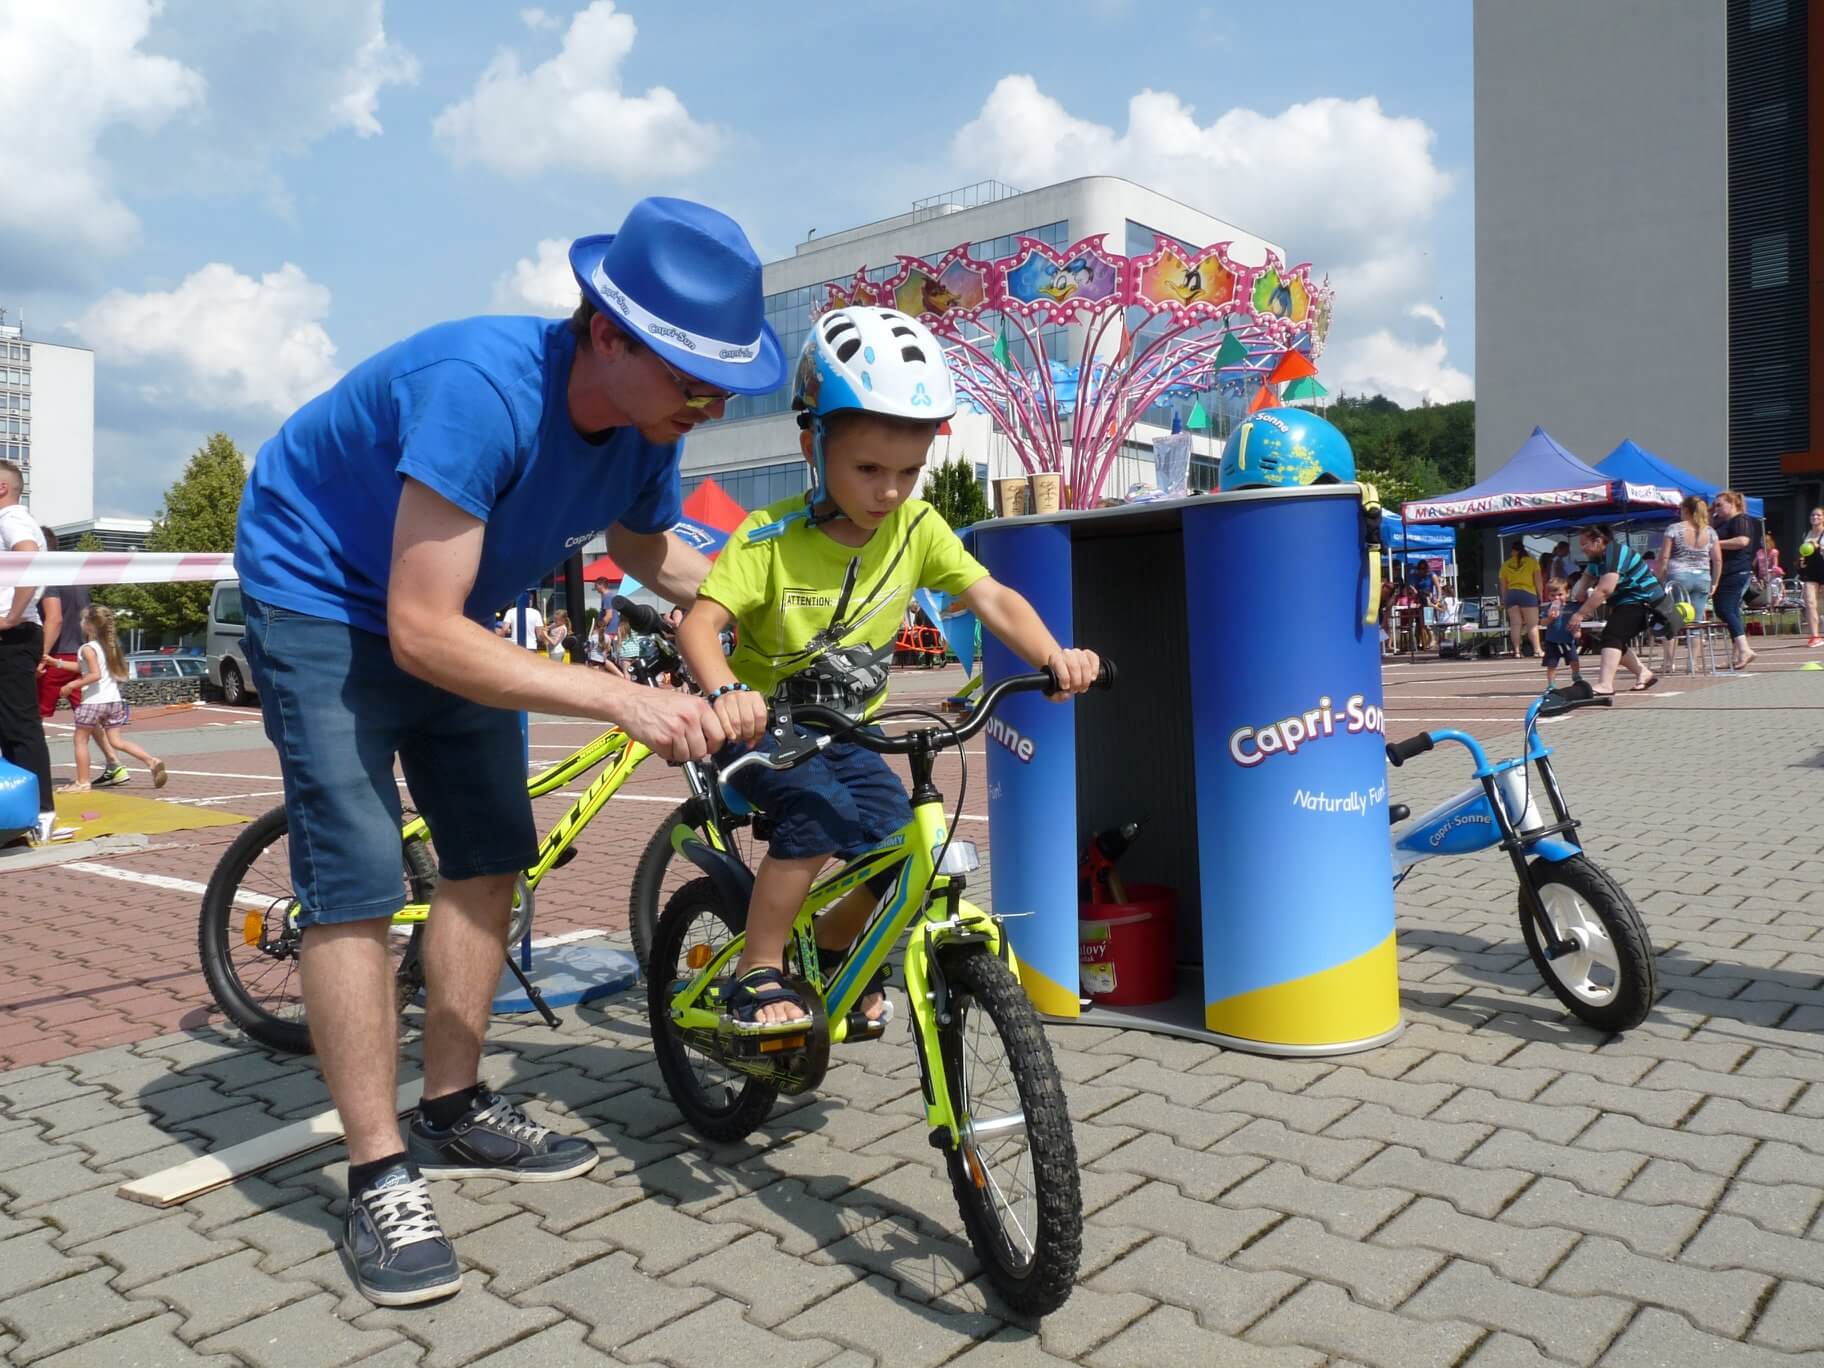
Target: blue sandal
759, 988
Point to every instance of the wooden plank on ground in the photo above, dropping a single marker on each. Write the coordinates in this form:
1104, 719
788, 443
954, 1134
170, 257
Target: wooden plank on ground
172, 1186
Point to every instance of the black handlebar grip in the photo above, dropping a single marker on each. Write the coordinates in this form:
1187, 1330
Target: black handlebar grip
1399, 752
642, 617
1105, 677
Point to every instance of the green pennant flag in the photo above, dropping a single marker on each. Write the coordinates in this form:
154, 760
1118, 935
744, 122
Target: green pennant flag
1231, 352
1307, 388
1002, 357
1198, 419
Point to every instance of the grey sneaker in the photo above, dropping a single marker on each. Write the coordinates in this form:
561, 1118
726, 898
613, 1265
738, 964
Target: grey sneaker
400, 1254
497, 1140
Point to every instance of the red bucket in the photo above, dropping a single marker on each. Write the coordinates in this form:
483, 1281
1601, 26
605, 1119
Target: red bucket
1126, 950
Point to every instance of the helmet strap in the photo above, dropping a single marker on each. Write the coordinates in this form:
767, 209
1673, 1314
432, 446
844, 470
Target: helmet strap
816, 494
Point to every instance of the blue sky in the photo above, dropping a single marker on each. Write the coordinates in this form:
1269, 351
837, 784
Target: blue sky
234, 203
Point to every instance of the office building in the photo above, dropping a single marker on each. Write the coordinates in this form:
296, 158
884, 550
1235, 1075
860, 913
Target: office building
47, 422
1650, 236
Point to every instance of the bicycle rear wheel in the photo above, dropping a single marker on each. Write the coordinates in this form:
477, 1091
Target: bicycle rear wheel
248, 940
661, 871
1015, 1172
720, 1102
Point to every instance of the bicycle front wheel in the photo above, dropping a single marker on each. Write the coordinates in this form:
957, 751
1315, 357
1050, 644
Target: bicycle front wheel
248, 939
1609, 981
661, 871
1015, 1172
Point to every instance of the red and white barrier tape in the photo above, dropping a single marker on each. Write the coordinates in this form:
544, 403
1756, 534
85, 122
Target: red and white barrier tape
50, 568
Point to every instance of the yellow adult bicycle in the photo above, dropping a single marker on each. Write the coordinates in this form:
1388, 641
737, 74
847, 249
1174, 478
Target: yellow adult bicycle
249, 938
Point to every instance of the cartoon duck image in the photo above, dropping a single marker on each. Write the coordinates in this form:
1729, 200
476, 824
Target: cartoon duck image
1069, 280
937, 296
1189, 286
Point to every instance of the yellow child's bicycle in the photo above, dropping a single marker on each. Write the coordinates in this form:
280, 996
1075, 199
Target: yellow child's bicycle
249, 939
992, 1093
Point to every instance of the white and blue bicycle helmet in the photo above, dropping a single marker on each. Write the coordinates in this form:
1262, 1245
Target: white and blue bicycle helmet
863, 359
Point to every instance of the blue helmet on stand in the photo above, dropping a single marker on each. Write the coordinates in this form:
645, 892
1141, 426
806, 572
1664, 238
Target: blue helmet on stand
1285, 446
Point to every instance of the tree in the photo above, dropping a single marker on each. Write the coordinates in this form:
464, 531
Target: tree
955, 493
1421, 451
199, 514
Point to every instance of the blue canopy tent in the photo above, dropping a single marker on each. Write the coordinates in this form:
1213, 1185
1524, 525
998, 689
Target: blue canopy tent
1541, 484
1639, 466
1415, 543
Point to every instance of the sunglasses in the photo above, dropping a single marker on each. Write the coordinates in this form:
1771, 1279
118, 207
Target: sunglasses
693, 398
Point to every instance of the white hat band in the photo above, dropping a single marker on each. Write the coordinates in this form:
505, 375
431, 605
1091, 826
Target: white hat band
738, 353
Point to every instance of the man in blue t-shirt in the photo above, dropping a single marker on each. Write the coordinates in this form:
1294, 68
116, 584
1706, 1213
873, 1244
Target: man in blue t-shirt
380, 530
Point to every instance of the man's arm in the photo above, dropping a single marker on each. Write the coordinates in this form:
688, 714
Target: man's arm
436, 551
659, 561
51, 610
22, 596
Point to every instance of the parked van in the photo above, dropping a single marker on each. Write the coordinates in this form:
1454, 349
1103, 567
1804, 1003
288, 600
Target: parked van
222, 644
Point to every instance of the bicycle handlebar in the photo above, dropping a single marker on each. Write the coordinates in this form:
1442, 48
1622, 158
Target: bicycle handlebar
836, 724
642, 617
1399, 752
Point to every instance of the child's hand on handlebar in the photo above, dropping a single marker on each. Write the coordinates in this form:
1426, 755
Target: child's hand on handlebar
1074, 670
742, 715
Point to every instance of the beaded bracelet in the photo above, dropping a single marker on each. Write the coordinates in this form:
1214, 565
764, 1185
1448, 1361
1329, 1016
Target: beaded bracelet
736, 687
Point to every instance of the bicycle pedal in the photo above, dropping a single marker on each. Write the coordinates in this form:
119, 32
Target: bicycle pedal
568, 855
860, 1028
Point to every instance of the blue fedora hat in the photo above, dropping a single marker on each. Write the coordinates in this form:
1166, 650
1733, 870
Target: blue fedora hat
683, 279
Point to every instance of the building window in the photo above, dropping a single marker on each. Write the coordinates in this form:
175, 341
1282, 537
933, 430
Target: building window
757, 486
1767, 264
1764, 14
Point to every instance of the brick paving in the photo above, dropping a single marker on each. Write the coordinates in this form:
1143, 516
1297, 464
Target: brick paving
1498, 1186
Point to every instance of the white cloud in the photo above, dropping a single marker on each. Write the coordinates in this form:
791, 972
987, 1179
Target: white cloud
72, 72
1429, 314
1408, 373
377, 62
542, 283
570, 112
536, 19
1340, 183
220, 340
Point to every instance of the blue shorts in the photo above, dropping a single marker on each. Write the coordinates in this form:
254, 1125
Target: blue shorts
840, 801
339, 709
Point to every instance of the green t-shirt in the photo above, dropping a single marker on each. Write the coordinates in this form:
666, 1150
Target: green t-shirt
783, 592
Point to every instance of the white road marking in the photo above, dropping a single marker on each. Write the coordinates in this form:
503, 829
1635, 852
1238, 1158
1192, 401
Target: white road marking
261, 904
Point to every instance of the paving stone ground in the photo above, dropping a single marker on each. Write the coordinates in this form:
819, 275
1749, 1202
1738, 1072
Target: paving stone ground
1498, 1186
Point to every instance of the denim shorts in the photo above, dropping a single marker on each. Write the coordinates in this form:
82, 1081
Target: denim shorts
840, 801
339, 709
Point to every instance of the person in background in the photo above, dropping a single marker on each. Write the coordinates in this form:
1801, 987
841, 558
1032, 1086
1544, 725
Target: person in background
1560, 641
553, 635
1811, 574
1735, 538
1689, 563
530, 633
1521, 589
62, 608
105, 711
21, 648
1771, 573
1563, 564
1616, 579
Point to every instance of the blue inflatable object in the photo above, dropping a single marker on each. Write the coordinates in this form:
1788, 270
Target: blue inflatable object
18, 801
1285, 446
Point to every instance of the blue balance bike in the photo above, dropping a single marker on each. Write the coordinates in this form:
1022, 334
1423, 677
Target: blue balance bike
1582, 931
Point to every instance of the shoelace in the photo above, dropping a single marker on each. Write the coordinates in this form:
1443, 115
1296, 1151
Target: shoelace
403, 1214
504, 1115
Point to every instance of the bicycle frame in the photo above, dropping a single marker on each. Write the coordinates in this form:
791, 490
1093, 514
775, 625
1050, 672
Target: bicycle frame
613, 745
1507, 815
921, 888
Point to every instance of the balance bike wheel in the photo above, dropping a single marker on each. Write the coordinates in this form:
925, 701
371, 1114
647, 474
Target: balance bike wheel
1610, 982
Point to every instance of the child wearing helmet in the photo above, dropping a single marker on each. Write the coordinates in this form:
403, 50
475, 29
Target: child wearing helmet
817, 585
